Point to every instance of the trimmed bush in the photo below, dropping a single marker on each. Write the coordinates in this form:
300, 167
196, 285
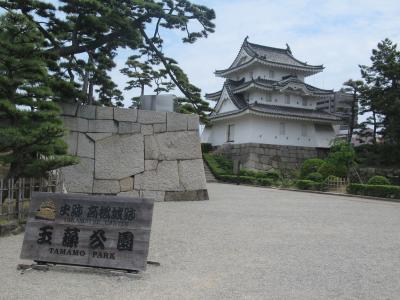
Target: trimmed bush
383, 191
379, 180
327, 169
309, 185
214, 163
206, 147
272, 175
315, 176
245, 172
310, 166
264, 181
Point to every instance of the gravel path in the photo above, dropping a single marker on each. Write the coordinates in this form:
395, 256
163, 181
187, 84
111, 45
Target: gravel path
245, 243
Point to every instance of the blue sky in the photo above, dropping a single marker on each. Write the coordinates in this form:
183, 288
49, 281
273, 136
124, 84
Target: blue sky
339, 34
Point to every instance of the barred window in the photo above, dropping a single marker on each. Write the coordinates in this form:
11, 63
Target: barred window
282, 128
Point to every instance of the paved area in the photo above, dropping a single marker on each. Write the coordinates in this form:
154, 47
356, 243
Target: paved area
245, 243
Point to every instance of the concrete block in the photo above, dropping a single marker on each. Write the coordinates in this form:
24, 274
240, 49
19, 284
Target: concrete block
193, 122
68, 109
71, 138
164, 178
103, 126
172, 146
158, 196
191, 174
87, 112
85, 146
128, 127
106, 187
126, 184
151, 117
75, 124
79, 178
125, 114
104, 113
176, 122
118, 157
198, 195
160, 127
147, 129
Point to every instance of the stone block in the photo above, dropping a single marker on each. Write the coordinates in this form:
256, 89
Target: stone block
133, 194
128, 127
118, 157
151, 117
71, 138
158, 196
79, 178
75, 124
69, 109
176, 122
85, 146
172, 146
150, 165
159, 127
126, 184
103, 126
98, 136
191, 174
125, 114
198, 195
147, 129
104, 113
87, 112
106, 187
193, 122
164, 178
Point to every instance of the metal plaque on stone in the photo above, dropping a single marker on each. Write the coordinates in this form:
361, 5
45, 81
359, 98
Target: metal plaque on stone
96, 231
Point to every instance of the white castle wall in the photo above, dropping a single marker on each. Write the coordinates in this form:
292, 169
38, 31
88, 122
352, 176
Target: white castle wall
134, 153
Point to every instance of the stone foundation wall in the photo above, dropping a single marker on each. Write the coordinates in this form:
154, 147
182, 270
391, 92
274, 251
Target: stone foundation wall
267, 157
393, 174
135, 153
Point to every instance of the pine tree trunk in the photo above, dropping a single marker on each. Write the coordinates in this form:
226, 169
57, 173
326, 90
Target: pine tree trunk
375, 127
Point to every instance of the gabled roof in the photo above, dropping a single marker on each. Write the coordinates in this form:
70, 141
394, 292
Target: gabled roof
277, 57
282, 112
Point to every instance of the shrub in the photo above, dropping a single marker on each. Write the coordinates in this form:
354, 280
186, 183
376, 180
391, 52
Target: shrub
384, 191
315, 176
309, 166
327, 169
245, 172
274, 175
214, 162
382, 155
379, 180
206, 147
331, 178
264, 181
309, 185
224, 163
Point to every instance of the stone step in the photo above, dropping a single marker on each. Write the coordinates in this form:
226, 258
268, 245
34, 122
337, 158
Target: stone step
209, 175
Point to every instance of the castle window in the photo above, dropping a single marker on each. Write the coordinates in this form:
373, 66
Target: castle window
287, 99
271, 74
251, 74
230, 133
304, 102
304, 130
282, 128
268, 97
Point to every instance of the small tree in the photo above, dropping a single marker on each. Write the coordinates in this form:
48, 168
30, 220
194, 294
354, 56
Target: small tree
31, 131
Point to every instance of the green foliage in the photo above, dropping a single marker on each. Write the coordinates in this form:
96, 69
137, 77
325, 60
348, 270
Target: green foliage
383, 191
327, 169
309, 185
378, 155
378, 180
315, 176
81, 39
342, 154
206, 147
247, 180
310, 166
218, 164
31, 132
331, 178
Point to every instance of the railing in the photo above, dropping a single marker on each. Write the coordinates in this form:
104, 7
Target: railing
337, 184
15, 195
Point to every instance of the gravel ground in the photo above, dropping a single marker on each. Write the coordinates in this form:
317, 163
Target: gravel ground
245, 243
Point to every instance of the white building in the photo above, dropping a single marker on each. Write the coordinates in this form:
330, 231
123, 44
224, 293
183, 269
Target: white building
265, 100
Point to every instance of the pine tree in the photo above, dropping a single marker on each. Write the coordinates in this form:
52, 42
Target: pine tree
31, 130
354, 87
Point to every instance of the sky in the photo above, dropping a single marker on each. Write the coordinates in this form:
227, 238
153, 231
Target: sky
340, 34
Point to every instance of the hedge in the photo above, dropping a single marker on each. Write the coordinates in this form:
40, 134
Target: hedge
247, 180
309, 185
216, 164
378, 180
383, 191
